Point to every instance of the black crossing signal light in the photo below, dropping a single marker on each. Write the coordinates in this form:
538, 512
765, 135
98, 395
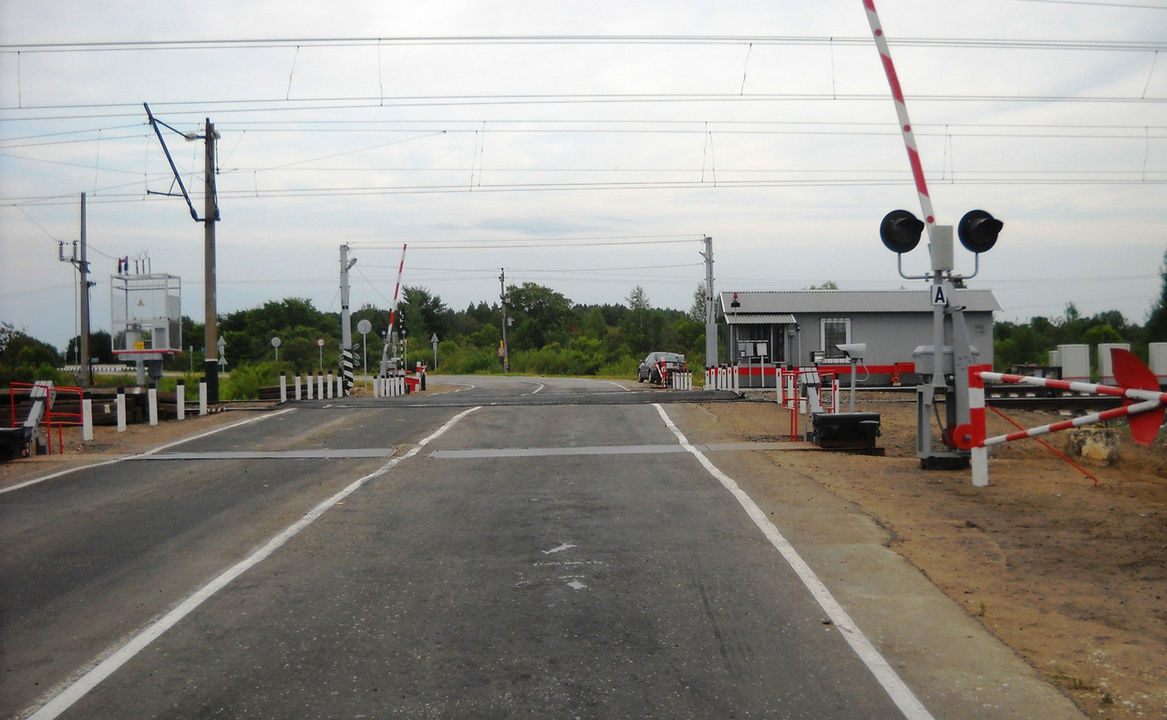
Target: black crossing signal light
978, 231
900, 231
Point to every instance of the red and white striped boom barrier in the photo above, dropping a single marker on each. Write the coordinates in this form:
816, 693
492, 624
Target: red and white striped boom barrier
1144, 406
897, 94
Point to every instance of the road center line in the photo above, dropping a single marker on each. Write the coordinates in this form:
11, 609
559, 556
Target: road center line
899, 692
106, 667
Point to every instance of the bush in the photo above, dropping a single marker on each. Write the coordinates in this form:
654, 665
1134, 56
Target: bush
246, 380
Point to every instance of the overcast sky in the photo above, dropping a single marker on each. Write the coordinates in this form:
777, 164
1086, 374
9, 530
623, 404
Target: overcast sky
586, 146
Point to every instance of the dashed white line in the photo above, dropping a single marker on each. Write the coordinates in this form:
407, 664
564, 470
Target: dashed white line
895, 687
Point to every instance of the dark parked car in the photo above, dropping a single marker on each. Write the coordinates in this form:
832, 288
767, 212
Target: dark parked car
656, 363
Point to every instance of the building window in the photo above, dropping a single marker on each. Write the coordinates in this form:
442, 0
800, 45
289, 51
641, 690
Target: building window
835, 331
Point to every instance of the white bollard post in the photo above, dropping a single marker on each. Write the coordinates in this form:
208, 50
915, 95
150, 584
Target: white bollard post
328, 386
180, 400
121, 409
86, 417
202, 396
339, 385
980, 466
319, 386
152, 404
297, 392
283, 387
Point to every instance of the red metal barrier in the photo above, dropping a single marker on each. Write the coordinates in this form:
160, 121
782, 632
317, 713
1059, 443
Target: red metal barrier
51, 419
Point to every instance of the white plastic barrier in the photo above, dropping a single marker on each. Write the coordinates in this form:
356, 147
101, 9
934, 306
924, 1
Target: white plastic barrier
152, 404
121, 409
87, 417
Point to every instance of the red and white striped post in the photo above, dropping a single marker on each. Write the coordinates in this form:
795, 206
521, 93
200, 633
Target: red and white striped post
974, 434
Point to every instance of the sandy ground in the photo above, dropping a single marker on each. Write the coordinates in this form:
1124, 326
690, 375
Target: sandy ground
1070, 575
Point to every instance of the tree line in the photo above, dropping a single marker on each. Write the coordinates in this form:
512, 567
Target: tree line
547, 334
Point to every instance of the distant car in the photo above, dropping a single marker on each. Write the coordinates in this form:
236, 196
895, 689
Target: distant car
656, 363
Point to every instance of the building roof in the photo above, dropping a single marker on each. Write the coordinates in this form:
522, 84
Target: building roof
766, 307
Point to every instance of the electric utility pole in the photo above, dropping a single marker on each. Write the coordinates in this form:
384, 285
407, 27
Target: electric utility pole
210, 217
210, 309
83, 267
710, 307
81, 262
506, 356
346, 328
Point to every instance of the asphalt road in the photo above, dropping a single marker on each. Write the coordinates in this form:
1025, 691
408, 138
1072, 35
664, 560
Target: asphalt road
552, 554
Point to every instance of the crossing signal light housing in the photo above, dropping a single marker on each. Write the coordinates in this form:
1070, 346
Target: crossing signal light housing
978, 231
900, 231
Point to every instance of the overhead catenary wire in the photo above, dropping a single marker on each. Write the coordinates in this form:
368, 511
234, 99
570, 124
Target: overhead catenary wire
630, 39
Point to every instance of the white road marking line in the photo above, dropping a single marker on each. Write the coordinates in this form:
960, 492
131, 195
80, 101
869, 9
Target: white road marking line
610, 382
152, 451
536, 391
561, 548
899, 692
106, 667
208, 433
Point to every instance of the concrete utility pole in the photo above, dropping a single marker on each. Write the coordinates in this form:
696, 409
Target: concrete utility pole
506, 355
210, 305
710, 307
80, 262
83, 267
346, 327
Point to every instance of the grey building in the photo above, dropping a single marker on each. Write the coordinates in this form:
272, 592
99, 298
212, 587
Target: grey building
787, 329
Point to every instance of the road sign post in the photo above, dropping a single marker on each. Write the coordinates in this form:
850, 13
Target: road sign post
364, 327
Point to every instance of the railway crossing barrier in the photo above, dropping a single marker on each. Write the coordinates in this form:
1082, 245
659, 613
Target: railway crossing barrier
1143, 407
